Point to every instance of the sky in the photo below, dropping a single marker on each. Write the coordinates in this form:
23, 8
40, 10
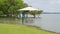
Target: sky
45, 5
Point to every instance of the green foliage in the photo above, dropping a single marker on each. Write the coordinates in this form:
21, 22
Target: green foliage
10, 6
1, 12
39, 12
36, 12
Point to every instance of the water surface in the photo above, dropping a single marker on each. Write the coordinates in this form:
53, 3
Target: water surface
46, 21
49, 22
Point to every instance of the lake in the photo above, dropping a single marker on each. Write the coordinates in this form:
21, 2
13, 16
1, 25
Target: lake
49, 22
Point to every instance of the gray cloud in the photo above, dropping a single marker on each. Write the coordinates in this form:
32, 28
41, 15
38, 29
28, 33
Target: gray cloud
46, 5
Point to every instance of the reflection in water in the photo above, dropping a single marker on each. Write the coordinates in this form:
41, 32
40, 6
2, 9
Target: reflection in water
29, 20
10, 20
49, 22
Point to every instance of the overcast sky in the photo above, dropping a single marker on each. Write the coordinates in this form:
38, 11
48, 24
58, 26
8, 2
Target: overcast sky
45, 5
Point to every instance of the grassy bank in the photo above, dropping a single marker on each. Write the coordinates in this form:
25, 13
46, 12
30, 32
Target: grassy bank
20, 29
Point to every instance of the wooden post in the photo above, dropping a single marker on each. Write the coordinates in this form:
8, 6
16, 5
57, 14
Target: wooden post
23, 16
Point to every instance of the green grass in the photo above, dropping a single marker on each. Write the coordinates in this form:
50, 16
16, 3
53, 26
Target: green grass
20, 29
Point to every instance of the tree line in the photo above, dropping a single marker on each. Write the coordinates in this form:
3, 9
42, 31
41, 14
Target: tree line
10, 7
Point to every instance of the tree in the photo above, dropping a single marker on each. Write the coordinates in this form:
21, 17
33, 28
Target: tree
9, 7
40, 11
35, 12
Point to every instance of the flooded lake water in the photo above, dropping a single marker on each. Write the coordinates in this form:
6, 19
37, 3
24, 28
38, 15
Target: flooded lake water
49, 22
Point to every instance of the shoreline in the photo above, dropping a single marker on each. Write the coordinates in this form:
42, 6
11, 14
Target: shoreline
42, 29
